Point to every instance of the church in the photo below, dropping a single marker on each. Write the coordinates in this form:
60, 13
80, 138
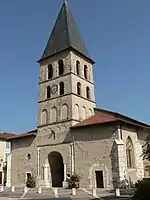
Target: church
73, 136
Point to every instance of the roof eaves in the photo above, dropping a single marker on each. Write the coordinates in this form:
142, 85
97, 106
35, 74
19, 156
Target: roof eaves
123, 117
67, 49
140, 125
22, 136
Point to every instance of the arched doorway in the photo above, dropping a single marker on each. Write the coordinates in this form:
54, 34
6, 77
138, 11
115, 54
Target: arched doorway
57, 168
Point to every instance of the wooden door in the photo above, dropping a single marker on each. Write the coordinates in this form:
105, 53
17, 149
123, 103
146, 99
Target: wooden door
0, 177
99, 179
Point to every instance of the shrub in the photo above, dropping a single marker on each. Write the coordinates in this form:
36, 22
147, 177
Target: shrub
73, 182
142, 190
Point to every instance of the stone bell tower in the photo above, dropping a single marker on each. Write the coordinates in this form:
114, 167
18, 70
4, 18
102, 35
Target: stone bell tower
66, 97
66, 87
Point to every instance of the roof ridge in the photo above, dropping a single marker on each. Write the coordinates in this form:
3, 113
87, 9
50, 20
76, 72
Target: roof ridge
119, 116
110, 117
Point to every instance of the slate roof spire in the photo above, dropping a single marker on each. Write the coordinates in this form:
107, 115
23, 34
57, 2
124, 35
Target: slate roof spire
65, 35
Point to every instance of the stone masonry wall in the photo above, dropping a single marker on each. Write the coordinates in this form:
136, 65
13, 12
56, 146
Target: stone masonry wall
93, 151
20, 163
63, 149
70, 79
137, 172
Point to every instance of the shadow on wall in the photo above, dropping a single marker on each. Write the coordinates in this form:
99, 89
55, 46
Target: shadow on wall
22, 142
91, 133
114, 165
125, 184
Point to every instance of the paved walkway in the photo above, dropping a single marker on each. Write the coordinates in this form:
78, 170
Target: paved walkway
65, 194
47, 193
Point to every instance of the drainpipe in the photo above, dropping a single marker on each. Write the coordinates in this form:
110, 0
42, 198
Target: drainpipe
38, 162
72, 157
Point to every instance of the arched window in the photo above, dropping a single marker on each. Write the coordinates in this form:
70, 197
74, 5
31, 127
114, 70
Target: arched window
48, 92
130, 153
61, 88
78, 67
50, 71
90, 112
44, 117
77, 113
53, 134
64, 112
61, 67
83, 113
85, 72
53, 115
88, 92
79, 88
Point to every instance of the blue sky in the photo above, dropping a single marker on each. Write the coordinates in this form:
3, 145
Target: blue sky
117, 35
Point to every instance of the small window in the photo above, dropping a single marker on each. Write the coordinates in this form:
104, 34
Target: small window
85, 72
29, 156
50, 71
78, 67
130, 153
88, 92
6, 156
7, 145
79, 88
53, 135
61, 88
28, 176
48, 92
61, 67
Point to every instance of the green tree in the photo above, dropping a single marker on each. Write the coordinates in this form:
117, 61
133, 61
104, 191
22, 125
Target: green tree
146, 149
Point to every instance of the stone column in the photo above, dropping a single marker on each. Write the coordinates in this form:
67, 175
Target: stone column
65, 172
121, 164
38, 162
38, 166
46, 172
139, 161
72, 158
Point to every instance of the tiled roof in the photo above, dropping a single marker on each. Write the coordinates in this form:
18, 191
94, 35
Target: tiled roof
5, 136
104, 116
17, 136
95, 119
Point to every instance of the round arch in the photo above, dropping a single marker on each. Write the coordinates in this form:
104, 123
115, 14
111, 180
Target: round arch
55, 160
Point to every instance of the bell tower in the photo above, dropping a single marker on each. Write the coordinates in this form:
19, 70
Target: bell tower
66, 87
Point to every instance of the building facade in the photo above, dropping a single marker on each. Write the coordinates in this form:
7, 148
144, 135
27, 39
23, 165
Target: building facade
73, 136
5, 151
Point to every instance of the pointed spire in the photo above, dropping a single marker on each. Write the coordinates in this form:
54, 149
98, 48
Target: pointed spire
64, 35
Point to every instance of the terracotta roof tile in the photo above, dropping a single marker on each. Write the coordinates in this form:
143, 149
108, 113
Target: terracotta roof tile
95, 119
16, 136
104, 116
5, 136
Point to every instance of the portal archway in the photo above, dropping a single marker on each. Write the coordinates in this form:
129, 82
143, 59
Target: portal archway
55, 160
